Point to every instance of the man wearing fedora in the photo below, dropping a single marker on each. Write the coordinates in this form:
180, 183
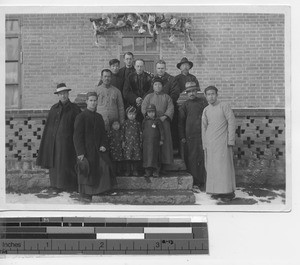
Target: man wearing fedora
185, 66
57, 152
190, 114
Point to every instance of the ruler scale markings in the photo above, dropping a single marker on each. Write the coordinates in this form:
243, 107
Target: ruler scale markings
169, 235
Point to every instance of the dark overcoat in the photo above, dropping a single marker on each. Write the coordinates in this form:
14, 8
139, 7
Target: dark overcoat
89, 135
153, 133
57, 148
137, 86
190, 118
182, 79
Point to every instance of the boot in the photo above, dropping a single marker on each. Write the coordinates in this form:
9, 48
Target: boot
135, 172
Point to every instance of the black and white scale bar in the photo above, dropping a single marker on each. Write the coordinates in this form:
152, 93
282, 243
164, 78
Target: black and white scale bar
109, 246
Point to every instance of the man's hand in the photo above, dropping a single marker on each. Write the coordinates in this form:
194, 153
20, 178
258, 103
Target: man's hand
161, 142
183, 140
102, 149
80, 157
162, 118
139, 101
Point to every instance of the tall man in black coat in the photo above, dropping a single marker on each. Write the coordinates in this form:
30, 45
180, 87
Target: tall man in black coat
57, 152
91, 142
137, 86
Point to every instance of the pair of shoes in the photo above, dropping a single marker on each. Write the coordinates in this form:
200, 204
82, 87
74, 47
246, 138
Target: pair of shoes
127, 173
135, 173
196, 189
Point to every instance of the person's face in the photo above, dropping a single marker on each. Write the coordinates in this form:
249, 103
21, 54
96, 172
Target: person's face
151, 114
160, 69
116, 126
185, 67
131, 116
106, 78
211, 96
115, 68
128, 60
192, 94
157, 87
91, 103
139, 67
63, 96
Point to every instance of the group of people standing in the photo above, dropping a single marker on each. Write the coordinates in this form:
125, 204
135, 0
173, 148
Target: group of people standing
132, 120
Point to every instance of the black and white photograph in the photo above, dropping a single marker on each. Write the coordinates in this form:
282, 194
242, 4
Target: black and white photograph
154, 110
147, 108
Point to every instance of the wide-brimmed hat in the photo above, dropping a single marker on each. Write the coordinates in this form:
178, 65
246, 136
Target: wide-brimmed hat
184, 60
191, 86
61, 87
151, 107
82, 169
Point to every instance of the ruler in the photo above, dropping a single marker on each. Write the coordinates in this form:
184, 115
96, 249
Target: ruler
103, 236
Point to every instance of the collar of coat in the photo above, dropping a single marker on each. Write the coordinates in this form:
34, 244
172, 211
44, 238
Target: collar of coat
61, 105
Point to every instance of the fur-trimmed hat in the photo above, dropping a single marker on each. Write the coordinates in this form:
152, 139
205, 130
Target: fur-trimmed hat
191, 86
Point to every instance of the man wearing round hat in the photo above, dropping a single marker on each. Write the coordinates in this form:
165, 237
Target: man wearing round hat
57, 152
190, 114
185, 66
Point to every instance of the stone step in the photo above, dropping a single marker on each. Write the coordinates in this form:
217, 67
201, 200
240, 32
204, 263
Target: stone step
171, 181
148, 197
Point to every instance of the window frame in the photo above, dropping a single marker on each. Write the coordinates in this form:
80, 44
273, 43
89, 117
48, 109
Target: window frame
18, 60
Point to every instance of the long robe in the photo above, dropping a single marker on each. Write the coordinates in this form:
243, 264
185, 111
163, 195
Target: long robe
57, 152
218, 131
190, 119
153, 133
89, 136
110, 105
164, 107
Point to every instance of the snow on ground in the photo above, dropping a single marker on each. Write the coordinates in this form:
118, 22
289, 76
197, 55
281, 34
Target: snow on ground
244, 196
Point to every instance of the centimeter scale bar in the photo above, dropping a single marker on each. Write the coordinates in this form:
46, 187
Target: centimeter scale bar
81, 235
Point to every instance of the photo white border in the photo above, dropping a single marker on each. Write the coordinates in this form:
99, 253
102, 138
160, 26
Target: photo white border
201, 9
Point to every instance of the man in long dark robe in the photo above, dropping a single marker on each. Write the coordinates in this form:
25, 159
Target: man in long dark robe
190, 118
125, 71
137, 86
90, 140
57, 152
185, 66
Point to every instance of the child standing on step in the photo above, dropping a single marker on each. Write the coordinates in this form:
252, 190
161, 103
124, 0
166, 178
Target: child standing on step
132, 144
115, 140
153, 138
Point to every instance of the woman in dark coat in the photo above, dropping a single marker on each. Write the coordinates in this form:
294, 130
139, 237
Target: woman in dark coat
57, 152
91, 142
190, 118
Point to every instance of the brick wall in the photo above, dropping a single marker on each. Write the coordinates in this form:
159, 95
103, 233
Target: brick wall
242, 54
259, 153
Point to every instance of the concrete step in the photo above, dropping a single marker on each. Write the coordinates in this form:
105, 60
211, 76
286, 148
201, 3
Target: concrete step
148, 197
171, 181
